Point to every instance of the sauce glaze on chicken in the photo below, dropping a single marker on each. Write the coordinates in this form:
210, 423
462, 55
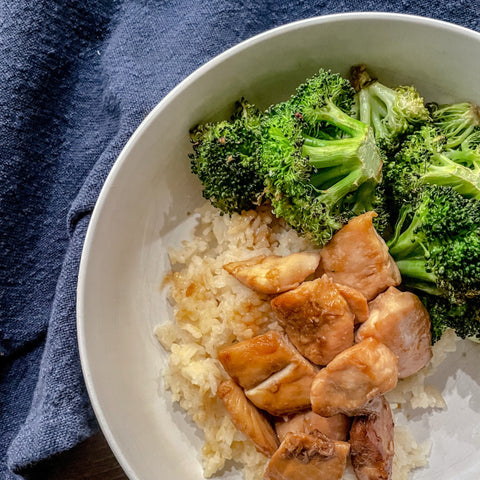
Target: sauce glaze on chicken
349, 334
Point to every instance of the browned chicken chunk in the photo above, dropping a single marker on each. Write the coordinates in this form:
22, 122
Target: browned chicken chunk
274, 274
358, 257
276, 378
400, 321
252, 361
336, 427
317, 319
308, 457
372, 445
356, 301
353, 378
286, 391
371, 406
247, 418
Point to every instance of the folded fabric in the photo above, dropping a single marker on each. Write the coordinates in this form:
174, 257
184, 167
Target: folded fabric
76, 79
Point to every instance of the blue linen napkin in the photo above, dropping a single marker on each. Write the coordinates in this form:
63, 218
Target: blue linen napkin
76, 79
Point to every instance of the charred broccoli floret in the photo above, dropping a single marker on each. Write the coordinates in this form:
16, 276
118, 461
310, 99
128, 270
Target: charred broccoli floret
423, 159
226, 162
321, 166
436, 244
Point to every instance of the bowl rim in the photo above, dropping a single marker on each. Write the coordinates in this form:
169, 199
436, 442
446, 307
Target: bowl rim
145, 124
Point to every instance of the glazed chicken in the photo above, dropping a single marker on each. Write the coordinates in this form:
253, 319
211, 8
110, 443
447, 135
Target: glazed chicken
276, 378
400, 321
286, 391
354, 378
356, 301
247, 418
321, 299
317, 319
335, 427
358, 257
372, 444
252, 361
308, 457
274, 274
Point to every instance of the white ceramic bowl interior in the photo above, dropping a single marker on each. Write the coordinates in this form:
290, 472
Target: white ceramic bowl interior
145, 204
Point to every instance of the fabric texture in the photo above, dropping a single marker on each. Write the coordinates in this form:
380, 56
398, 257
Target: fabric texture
76, 78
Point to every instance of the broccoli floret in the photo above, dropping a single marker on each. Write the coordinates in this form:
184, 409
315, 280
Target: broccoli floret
309, 157
424, 160
226, 161
393, 113
436, 244
468, 152
464, 318
321, 165
456, 121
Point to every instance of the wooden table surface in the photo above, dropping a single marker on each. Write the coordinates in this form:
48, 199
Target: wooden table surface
91, 460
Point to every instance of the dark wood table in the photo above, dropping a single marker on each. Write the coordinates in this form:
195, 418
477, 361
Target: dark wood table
91, 460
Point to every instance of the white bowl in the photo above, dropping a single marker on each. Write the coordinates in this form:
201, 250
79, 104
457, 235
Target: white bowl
144, 207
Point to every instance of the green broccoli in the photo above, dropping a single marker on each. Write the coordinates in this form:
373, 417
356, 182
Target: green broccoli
436, 243
456, 121
226, 162
393, 113
321, 166
424, 160
464, 318
467, 153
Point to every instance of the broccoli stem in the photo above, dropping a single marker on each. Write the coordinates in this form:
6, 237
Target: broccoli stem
409, 253
444, 171
459, 135
332, 114
403, 244
340, 189
342, 164
458, 121
468, 158
415, 268
383, 93
375, 102
363, 202
331, 153
378, 96
326, 177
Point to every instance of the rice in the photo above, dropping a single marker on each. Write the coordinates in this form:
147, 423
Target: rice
212, 309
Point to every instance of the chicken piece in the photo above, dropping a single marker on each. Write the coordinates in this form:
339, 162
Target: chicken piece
247, 418
400, 321
368, 408
287, 391
358, 257
274, 274
356, 301
353, 378
252, 361
335, 427
317, 319
372, 444
308, 457
276, 378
